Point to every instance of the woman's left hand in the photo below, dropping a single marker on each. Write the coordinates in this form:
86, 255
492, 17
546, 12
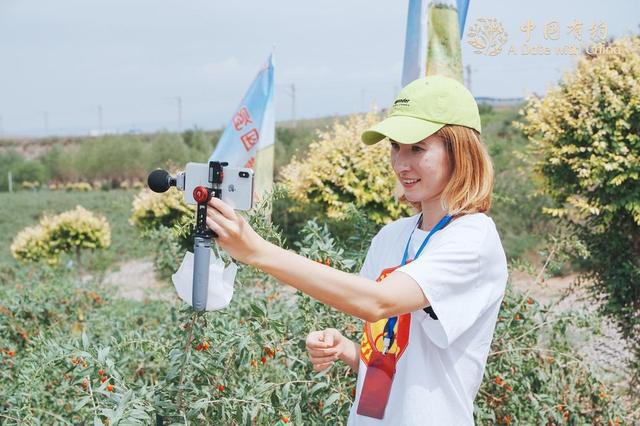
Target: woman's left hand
235, 235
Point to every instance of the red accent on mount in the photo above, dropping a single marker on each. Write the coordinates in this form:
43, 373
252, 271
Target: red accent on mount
200, 194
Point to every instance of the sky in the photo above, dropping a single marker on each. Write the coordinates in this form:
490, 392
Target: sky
70, 67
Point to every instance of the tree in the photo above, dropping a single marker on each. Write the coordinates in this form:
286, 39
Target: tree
585, 145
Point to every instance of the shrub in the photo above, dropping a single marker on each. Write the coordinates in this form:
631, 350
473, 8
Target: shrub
585, 145
24, 173
25, 184
151, 210
67, 232
78, 186
339, 170
62, 345
111, 158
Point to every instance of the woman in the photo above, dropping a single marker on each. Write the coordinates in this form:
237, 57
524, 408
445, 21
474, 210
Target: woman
441, 274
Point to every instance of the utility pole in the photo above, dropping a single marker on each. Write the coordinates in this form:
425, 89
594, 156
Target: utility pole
468, 67
291, 91
100, 119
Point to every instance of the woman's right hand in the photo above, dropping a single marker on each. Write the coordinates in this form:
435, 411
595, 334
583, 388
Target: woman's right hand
325, 347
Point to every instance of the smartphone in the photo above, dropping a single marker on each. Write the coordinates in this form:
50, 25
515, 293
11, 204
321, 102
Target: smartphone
237, 184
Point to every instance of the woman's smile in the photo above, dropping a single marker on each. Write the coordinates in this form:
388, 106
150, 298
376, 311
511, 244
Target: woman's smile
409, 183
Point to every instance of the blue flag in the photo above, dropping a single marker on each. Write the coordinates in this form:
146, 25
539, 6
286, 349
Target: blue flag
463, 7
414, 42
252, 127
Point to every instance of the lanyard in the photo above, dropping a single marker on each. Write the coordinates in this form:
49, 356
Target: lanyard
391, 322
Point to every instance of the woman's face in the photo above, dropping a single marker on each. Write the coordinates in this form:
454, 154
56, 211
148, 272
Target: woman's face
422, 168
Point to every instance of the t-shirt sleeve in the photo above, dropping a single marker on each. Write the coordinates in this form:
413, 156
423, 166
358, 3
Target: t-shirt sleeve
459, 284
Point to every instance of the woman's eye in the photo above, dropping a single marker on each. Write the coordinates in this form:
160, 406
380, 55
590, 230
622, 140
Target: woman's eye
395, 146
416, 149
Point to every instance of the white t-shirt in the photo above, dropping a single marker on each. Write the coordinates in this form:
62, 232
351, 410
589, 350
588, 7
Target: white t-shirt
462, 272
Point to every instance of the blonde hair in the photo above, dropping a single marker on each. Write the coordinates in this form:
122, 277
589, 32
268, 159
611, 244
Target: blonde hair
471, 184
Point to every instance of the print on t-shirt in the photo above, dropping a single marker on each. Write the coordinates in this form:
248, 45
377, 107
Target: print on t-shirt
373, 334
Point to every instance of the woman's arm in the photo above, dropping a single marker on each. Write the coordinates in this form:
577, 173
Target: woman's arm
352, 294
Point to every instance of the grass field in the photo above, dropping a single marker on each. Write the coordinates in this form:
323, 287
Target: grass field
25, 208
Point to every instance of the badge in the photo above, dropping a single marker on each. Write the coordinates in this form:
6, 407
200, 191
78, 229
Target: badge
377, 385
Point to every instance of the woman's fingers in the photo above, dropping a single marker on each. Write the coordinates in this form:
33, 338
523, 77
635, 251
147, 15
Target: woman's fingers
220, 232
315, 339
322, 352
219, 218
323, 359
223, 208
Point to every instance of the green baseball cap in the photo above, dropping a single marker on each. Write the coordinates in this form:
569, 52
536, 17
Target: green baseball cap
423, 107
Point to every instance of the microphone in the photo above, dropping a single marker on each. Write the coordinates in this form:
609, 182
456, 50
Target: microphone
160, 180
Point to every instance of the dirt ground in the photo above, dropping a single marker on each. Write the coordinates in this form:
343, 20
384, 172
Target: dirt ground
606, 348
136, 280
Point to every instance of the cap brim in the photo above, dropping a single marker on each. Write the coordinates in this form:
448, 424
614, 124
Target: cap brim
402, 129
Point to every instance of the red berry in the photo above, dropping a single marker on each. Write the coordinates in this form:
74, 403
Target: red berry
205, 346
263, 360
285, 419
103, 379
100, 372
110, 387
199, 347
221, 388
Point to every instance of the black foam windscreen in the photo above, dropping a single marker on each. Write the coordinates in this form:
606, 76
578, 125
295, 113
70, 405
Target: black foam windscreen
159, 180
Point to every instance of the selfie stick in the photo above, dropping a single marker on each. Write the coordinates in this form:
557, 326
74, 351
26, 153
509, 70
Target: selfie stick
159, 181
202, 241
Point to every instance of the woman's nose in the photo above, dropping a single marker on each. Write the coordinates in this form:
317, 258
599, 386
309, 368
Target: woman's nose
401, 162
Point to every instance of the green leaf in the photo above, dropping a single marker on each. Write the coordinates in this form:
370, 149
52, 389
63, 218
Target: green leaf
332, 398
81, 403
259, 310
275, 401
318, 387
85, 340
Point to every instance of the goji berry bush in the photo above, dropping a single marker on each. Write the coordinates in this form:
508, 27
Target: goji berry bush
71, 352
